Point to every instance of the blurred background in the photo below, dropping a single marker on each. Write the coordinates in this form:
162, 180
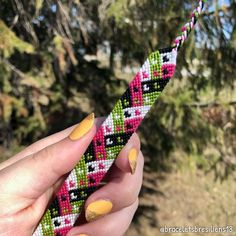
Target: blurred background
60, 60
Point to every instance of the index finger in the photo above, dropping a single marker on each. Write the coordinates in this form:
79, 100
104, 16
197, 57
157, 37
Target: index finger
43, 143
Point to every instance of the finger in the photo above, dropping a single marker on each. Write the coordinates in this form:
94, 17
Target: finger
123, 164
41, 144
36, 173
115, 224
121, 191
43, 201
126, 159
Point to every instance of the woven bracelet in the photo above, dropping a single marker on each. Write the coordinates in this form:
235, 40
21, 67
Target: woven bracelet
113, 135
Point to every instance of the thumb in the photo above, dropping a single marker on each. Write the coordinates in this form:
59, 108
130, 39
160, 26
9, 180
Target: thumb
30, 177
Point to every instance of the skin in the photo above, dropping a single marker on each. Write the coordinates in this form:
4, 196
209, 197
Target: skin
31, 178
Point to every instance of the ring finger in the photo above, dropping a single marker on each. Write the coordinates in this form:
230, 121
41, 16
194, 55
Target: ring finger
121, 191
115, 224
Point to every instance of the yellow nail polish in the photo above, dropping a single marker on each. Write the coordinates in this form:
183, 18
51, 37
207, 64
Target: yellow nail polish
133, 155
98, 209
83, 127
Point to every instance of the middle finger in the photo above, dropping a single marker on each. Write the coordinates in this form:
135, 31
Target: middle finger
121, 191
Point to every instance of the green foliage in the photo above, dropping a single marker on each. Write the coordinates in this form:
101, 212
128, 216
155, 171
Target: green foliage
9, 42
118, 10
50, 74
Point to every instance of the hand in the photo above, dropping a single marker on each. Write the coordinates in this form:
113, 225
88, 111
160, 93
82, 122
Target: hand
31, 178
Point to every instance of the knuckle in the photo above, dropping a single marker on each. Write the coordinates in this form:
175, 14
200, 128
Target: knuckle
47, 153
141, 159
136, 204
136, 138
109, 227
131, 194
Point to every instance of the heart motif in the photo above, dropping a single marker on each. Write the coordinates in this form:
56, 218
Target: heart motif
91, 168
72, 184
72, 196
117, 116
119, 140
165, 59
46, 226
92, 180
136, 89
165, 71
137, 113
88, 157
110, 153
83, 194
108, 129
126, 102
109, 141
67, 221
146, 88
99, 143
57, 223
54, 212
101, 166
136, 101
127, 114
63, 198
65, 210
157, 86
155, 73
118, 128
145, 75
100, 155
129, 126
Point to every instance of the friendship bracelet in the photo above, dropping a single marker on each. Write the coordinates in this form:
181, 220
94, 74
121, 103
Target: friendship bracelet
112, 136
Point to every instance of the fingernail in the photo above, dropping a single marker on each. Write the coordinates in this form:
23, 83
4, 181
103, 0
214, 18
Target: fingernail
98, 209
133, 155
82, 128
82, 235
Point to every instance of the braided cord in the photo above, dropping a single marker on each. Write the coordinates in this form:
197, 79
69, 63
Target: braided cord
188, 27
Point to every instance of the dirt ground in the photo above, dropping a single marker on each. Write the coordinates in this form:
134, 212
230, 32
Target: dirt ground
184, 198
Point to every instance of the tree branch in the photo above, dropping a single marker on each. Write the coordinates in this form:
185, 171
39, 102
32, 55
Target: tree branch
210, 104
13, 68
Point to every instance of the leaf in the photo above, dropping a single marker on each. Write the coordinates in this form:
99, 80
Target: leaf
40, 78
9, 42
43, 100
6, 102
38, 5
30, 82
60, 52
118, 9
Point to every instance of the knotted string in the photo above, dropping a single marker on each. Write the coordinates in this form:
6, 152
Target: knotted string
188, 27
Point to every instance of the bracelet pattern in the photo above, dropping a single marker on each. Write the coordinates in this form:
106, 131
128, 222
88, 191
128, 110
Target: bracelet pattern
112, 136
